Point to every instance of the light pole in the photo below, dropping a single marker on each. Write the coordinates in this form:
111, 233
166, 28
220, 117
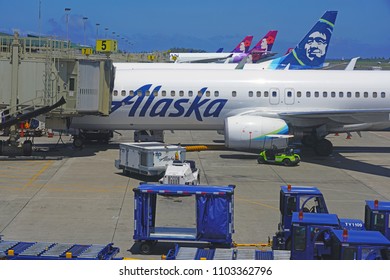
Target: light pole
85, 38
97, 30
39, 20
67, 11
106, 29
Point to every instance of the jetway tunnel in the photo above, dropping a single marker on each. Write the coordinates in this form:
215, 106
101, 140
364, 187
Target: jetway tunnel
47, 78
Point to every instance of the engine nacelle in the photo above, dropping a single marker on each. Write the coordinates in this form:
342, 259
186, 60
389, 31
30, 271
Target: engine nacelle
249, 132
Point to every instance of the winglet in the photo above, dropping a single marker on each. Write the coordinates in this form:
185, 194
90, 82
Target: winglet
241, 64
351, 64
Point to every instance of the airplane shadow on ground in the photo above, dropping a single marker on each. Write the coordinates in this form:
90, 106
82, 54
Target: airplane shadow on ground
341, 158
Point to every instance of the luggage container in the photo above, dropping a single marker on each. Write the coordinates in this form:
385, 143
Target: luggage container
148, 158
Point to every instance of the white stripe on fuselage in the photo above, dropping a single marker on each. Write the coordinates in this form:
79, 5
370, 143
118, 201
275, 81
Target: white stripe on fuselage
175, 112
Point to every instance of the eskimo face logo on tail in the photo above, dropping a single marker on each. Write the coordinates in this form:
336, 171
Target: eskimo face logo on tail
311, 51
141, 105
316, 45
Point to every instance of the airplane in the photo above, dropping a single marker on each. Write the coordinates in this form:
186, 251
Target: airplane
261, 51
241, 48
248, 105
308, 54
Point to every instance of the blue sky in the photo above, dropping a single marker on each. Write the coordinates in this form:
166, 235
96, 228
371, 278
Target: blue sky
362, 26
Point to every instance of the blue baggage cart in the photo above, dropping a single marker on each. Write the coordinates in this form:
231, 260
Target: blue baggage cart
214, 215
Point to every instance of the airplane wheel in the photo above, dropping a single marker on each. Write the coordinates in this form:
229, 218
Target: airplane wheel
309, 141
323, 147
27, 148
78, 142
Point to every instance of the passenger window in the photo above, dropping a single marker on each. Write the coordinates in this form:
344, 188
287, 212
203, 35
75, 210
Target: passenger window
289, 94
265, 93
190, 93
208, 93
349, 94
325, 94
316, 94
131, 93
147, 93
375, 94
341, 94
216, 93
172, 93
115, 93
308, 94
333, 94
357, 94
234, 93
155, 93
299, 94
258, 93
181, 93
274, 94
383, 94
365, 94
250, 94
139, 93
164, 93
123, 93
200, 93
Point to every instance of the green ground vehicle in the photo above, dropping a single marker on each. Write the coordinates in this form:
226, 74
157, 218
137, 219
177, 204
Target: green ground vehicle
285, 156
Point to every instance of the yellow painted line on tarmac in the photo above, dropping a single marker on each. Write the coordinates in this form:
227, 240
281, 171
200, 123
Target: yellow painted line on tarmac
256, 203
39, 173
71, 189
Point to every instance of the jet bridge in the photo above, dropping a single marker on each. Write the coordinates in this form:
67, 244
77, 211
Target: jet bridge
51, 79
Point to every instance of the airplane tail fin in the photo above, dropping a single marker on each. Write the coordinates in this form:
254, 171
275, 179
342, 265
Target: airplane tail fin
311, 51
244, 45
263, 48
266, 43
219, 50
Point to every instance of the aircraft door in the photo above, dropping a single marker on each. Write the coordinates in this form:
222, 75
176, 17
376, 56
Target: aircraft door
289, 96
274, 97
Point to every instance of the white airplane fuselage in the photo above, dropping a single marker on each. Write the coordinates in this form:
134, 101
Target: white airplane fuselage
204, 57
202, 99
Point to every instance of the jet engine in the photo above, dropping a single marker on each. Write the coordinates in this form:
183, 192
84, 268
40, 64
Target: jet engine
249, 132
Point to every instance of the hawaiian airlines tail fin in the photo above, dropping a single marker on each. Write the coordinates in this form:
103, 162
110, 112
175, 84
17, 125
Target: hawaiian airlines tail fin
244, 45
311, 51
266, 43
263, 48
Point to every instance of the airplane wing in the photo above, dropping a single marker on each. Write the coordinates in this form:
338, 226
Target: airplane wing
211, 59
336, 113
340, 117
315, 118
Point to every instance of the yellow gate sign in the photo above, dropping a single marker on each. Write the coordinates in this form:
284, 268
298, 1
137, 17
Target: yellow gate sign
106, 45
86, 51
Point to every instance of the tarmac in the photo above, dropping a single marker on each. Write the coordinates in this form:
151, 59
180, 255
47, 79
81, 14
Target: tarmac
69, 195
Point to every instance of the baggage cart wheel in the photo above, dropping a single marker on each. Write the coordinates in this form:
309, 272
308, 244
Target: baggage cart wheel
146, 247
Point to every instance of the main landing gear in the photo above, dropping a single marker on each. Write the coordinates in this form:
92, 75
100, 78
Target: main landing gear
322, 147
